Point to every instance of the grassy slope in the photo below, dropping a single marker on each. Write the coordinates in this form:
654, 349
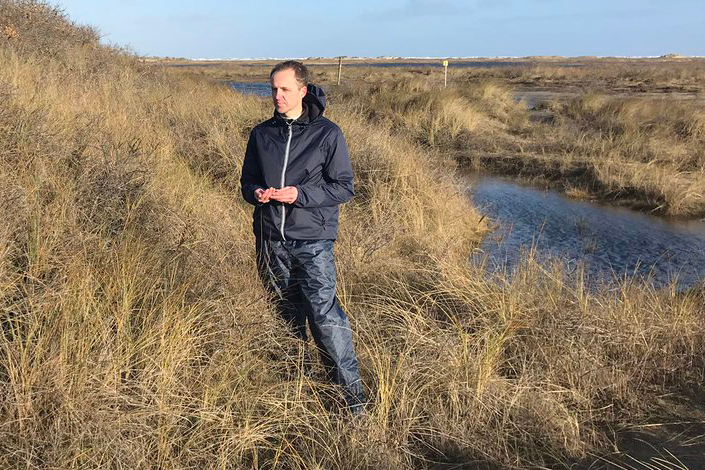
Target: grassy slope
136, 335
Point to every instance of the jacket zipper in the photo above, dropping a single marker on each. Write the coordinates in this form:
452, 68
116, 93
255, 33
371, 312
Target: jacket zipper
286, 162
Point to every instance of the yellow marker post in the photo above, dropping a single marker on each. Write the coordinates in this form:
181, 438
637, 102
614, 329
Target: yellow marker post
445, 73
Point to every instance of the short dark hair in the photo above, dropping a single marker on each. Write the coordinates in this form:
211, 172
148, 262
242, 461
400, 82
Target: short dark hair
300, 71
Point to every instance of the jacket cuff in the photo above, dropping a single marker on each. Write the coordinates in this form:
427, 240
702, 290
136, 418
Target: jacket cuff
299, 202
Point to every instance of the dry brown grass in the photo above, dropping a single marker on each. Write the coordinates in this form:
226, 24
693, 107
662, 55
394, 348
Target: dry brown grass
624, 136
136, 335
605, 75
647, 152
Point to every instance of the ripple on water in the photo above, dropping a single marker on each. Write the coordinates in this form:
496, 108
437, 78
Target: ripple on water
610, 242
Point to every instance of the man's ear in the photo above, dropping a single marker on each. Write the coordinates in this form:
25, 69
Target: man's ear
305, 89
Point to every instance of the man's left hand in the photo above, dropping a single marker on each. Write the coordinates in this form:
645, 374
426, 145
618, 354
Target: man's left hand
287, 194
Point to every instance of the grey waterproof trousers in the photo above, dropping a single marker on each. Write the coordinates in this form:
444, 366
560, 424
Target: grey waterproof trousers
301, 275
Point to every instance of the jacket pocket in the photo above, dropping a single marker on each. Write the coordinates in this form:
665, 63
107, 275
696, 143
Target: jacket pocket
320, 217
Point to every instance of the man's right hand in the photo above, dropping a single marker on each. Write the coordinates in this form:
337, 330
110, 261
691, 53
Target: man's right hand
263, 195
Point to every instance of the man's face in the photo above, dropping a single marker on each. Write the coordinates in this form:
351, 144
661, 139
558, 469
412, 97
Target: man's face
286, 94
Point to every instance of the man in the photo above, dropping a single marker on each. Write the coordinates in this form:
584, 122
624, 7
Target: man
296, 173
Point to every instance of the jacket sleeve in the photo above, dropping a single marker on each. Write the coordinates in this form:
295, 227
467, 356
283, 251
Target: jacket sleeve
251, 177
337, 186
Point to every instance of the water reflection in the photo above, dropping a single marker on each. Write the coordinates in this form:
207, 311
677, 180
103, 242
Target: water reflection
610, 242
258, 89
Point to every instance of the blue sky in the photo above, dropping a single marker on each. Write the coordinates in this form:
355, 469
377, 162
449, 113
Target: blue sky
435, 28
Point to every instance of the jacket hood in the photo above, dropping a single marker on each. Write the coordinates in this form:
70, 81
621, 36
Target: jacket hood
315, 99
314, 104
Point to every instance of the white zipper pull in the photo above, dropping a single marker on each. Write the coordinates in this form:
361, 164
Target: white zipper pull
283, 178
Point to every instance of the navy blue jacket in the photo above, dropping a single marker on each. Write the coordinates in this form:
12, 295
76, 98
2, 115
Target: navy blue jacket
309, 153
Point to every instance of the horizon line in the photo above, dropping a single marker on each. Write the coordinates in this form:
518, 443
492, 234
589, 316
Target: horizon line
536, 56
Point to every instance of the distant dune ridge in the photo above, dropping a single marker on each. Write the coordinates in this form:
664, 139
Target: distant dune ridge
135, 333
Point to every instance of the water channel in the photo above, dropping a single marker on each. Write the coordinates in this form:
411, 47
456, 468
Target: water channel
608, 243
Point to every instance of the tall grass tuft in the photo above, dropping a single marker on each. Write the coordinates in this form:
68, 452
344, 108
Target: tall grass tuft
647, 152
135, 333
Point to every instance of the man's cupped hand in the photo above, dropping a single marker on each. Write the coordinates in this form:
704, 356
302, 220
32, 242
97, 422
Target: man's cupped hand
287, 194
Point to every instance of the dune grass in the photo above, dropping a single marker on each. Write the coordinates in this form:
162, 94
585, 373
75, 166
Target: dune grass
135, 333
619, 135
645, 152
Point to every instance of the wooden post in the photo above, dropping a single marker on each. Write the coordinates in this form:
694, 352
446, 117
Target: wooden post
340, 68
445, 73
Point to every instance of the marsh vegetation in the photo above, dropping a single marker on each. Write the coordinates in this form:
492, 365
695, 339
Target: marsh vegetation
629, 131
135, 333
